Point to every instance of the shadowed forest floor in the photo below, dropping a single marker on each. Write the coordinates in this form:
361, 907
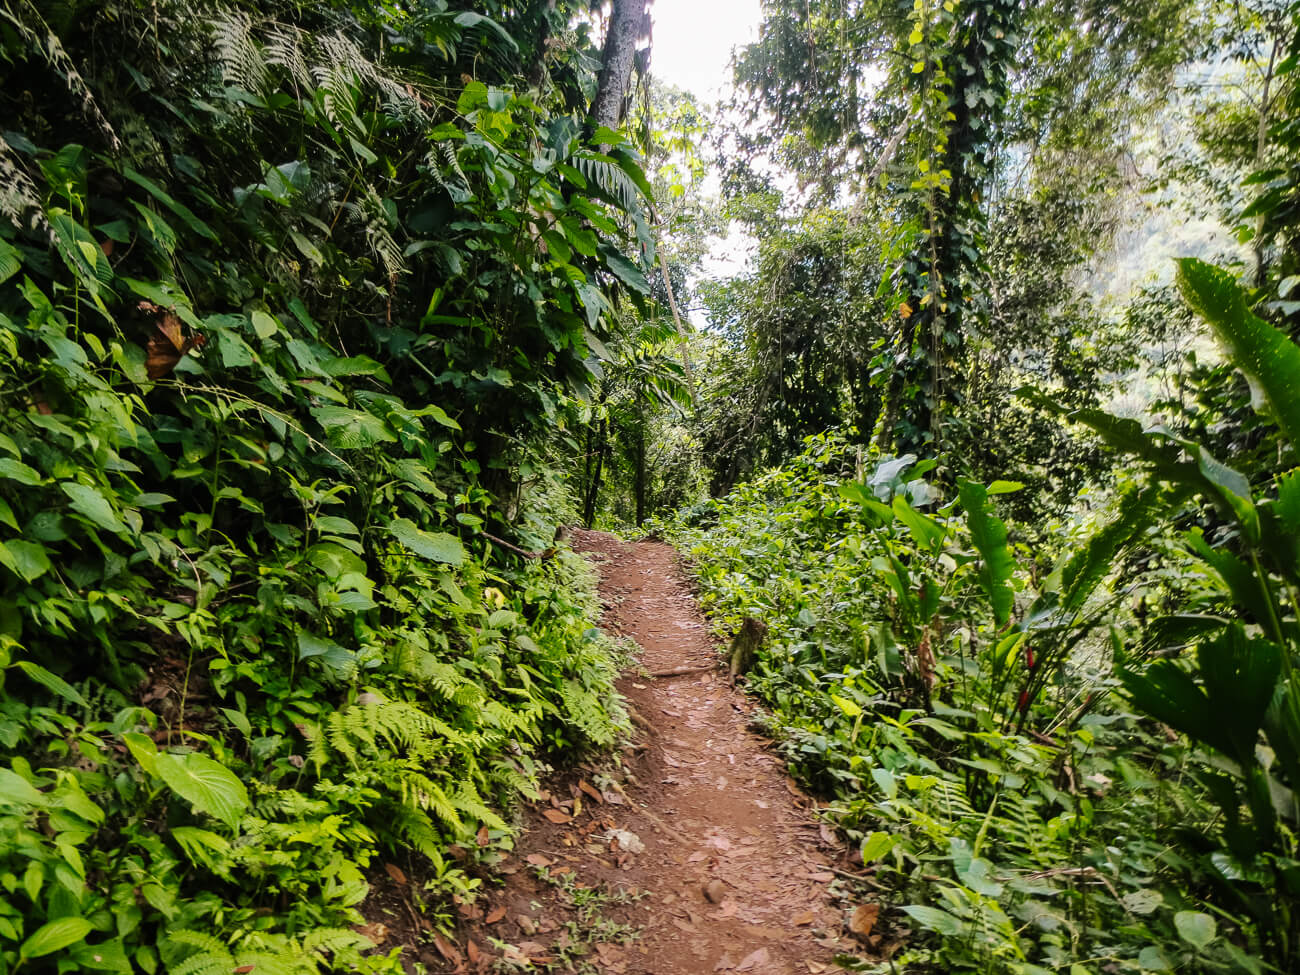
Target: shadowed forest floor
695, 854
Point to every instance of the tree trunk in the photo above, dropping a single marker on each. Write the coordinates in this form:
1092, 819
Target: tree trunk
640, 488
627, 25
593, 490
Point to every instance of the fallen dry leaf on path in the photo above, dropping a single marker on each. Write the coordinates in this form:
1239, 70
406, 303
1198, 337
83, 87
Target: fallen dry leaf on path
395, 872
557, 817
447, 949
591, 790
803, 919
537, 860
495, 915
753, 960
864, 919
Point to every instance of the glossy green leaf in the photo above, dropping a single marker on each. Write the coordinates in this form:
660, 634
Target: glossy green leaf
436, 546
55, 936
208, 786
1197, 929
990, 537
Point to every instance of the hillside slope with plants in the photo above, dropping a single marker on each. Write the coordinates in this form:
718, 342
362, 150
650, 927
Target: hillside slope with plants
285, 294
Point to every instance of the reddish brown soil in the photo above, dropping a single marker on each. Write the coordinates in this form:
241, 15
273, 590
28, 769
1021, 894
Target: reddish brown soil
735, 868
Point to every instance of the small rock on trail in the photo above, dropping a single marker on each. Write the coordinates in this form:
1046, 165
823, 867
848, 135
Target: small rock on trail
702, 858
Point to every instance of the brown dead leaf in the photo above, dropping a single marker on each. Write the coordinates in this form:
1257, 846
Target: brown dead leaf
794, 789
827, 834
803, 919
557, 817
447, 950
471, 950
484, 837
714, 891
495, 915
864, 919
395, 872
537, 860
591, 790
753, 960
822, 877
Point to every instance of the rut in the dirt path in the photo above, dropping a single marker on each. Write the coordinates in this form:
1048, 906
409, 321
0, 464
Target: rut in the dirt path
704, 851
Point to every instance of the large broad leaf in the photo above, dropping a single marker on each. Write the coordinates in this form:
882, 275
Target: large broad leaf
1226, 709
338, 660
56, 935
352, 429
437, 546
206, 785
1197, 929
1268, 359
91, 503
1169, 694
927, 532
936, 920
29, 559
990, 537
1240, 676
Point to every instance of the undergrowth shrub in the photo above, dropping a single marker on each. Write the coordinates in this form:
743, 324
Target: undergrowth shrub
958, 705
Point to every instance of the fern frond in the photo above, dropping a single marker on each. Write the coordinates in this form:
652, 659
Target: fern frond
200, 940
326, 941
467, 800
20, 203
285, 49
611, 180
585, 711
242, 63
442, 677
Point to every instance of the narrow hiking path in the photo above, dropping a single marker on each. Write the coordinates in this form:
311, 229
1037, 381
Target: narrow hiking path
699, 855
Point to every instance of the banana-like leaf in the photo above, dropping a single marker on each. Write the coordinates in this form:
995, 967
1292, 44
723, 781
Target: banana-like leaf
1225, 710
1086, 569
1169, 694
990, 537
1268, 359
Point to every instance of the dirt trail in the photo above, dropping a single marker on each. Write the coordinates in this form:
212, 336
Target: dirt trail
734, 871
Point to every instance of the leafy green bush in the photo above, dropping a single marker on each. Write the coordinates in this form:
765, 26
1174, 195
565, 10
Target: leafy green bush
961, 713
279, 304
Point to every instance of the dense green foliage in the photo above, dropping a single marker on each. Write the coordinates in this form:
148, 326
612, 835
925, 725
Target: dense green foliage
316, 322
287, 295
1044, 663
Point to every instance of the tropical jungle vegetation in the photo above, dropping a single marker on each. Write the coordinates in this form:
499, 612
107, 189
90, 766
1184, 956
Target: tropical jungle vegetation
317, 321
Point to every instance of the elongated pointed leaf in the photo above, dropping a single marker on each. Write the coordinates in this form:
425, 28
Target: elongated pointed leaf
1090, 564
51, 937
990, 537
1268, 359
